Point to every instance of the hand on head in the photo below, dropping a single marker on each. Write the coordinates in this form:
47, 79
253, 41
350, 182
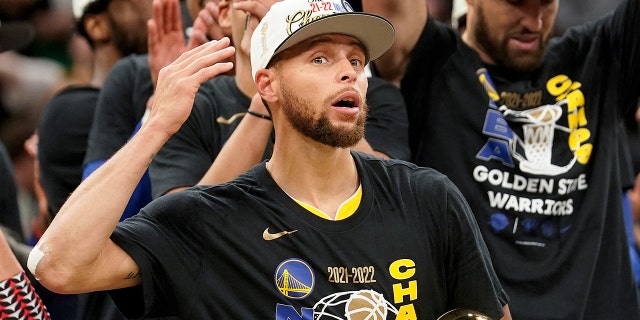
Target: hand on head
179, 81
256, 10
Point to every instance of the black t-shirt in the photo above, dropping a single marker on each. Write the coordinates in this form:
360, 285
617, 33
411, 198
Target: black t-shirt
122, 102
543, 175
411, 247
63, 131
386, 129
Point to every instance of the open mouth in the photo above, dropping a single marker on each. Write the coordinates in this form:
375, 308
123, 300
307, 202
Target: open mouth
347, 100
346, 103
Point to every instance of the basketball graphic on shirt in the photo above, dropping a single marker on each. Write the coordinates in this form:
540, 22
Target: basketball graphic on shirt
354, 305
366, 305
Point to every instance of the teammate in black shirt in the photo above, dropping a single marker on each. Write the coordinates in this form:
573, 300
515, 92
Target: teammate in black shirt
527, 127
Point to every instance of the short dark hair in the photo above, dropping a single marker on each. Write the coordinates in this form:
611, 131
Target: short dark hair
95, 7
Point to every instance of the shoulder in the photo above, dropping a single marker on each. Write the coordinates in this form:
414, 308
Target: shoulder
221, 94
378, 84
402, 172
74, 102
204, 202
135, 61
71, 95
133, 67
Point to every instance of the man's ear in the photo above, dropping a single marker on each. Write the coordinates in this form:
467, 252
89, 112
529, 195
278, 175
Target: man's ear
267, 85
97, 27
224, 20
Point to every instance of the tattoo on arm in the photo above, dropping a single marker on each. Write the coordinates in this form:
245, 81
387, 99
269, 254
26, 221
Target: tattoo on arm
151, 159
133, 275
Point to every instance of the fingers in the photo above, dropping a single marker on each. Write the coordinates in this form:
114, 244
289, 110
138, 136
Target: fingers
174, 19
166, 14
257, 8
178, 82
214, 55
158, 13
152, 36
196, 39
205, 60
214, 29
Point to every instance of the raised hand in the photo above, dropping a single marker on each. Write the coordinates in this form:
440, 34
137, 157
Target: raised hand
256, 10
208, 23
179, 81
166, 39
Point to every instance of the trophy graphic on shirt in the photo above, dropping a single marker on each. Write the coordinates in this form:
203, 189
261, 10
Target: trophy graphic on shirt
538, 129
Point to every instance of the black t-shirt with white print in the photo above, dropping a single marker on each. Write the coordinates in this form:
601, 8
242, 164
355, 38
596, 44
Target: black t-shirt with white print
543, 174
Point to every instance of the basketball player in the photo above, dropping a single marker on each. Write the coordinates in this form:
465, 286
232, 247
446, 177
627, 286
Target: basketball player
316, 232
526, 127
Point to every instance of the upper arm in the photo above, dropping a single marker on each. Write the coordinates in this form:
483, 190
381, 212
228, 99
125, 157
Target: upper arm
407, 17
123, 270
113, 269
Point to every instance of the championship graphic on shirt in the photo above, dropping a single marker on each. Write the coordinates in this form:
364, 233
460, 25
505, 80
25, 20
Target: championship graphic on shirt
295, 279
544, 142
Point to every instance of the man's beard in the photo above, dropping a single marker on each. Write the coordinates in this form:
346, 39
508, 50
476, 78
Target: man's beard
299, 112
499, 50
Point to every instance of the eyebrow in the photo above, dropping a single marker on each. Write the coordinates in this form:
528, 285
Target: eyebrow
326, 39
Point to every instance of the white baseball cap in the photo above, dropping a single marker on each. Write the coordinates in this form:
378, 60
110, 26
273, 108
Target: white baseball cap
79, 6
290, 22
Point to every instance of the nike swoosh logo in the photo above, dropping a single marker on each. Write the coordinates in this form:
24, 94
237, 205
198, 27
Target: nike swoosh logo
272, 236
233, 118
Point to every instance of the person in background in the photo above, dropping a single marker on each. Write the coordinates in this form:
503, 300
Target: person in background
18, 298
526, 126
113, 29
406, 231
123, 100
219, 105
9, 210
10, 222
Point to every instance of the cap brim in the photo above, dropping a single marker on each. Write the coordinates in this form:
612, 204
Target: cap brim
15, 35
375, 33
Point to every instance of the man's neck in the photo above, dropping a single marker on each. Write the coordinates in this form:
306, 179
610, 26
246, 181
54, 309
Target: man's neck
316, 174
104, 57
469, 41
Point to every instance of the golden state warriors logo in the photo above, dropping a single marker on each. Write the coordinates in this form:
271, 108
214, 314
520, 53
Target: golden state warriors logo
294, 278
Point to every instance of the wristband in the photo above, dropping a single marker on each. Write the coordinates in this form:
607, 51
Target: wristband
259, 115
